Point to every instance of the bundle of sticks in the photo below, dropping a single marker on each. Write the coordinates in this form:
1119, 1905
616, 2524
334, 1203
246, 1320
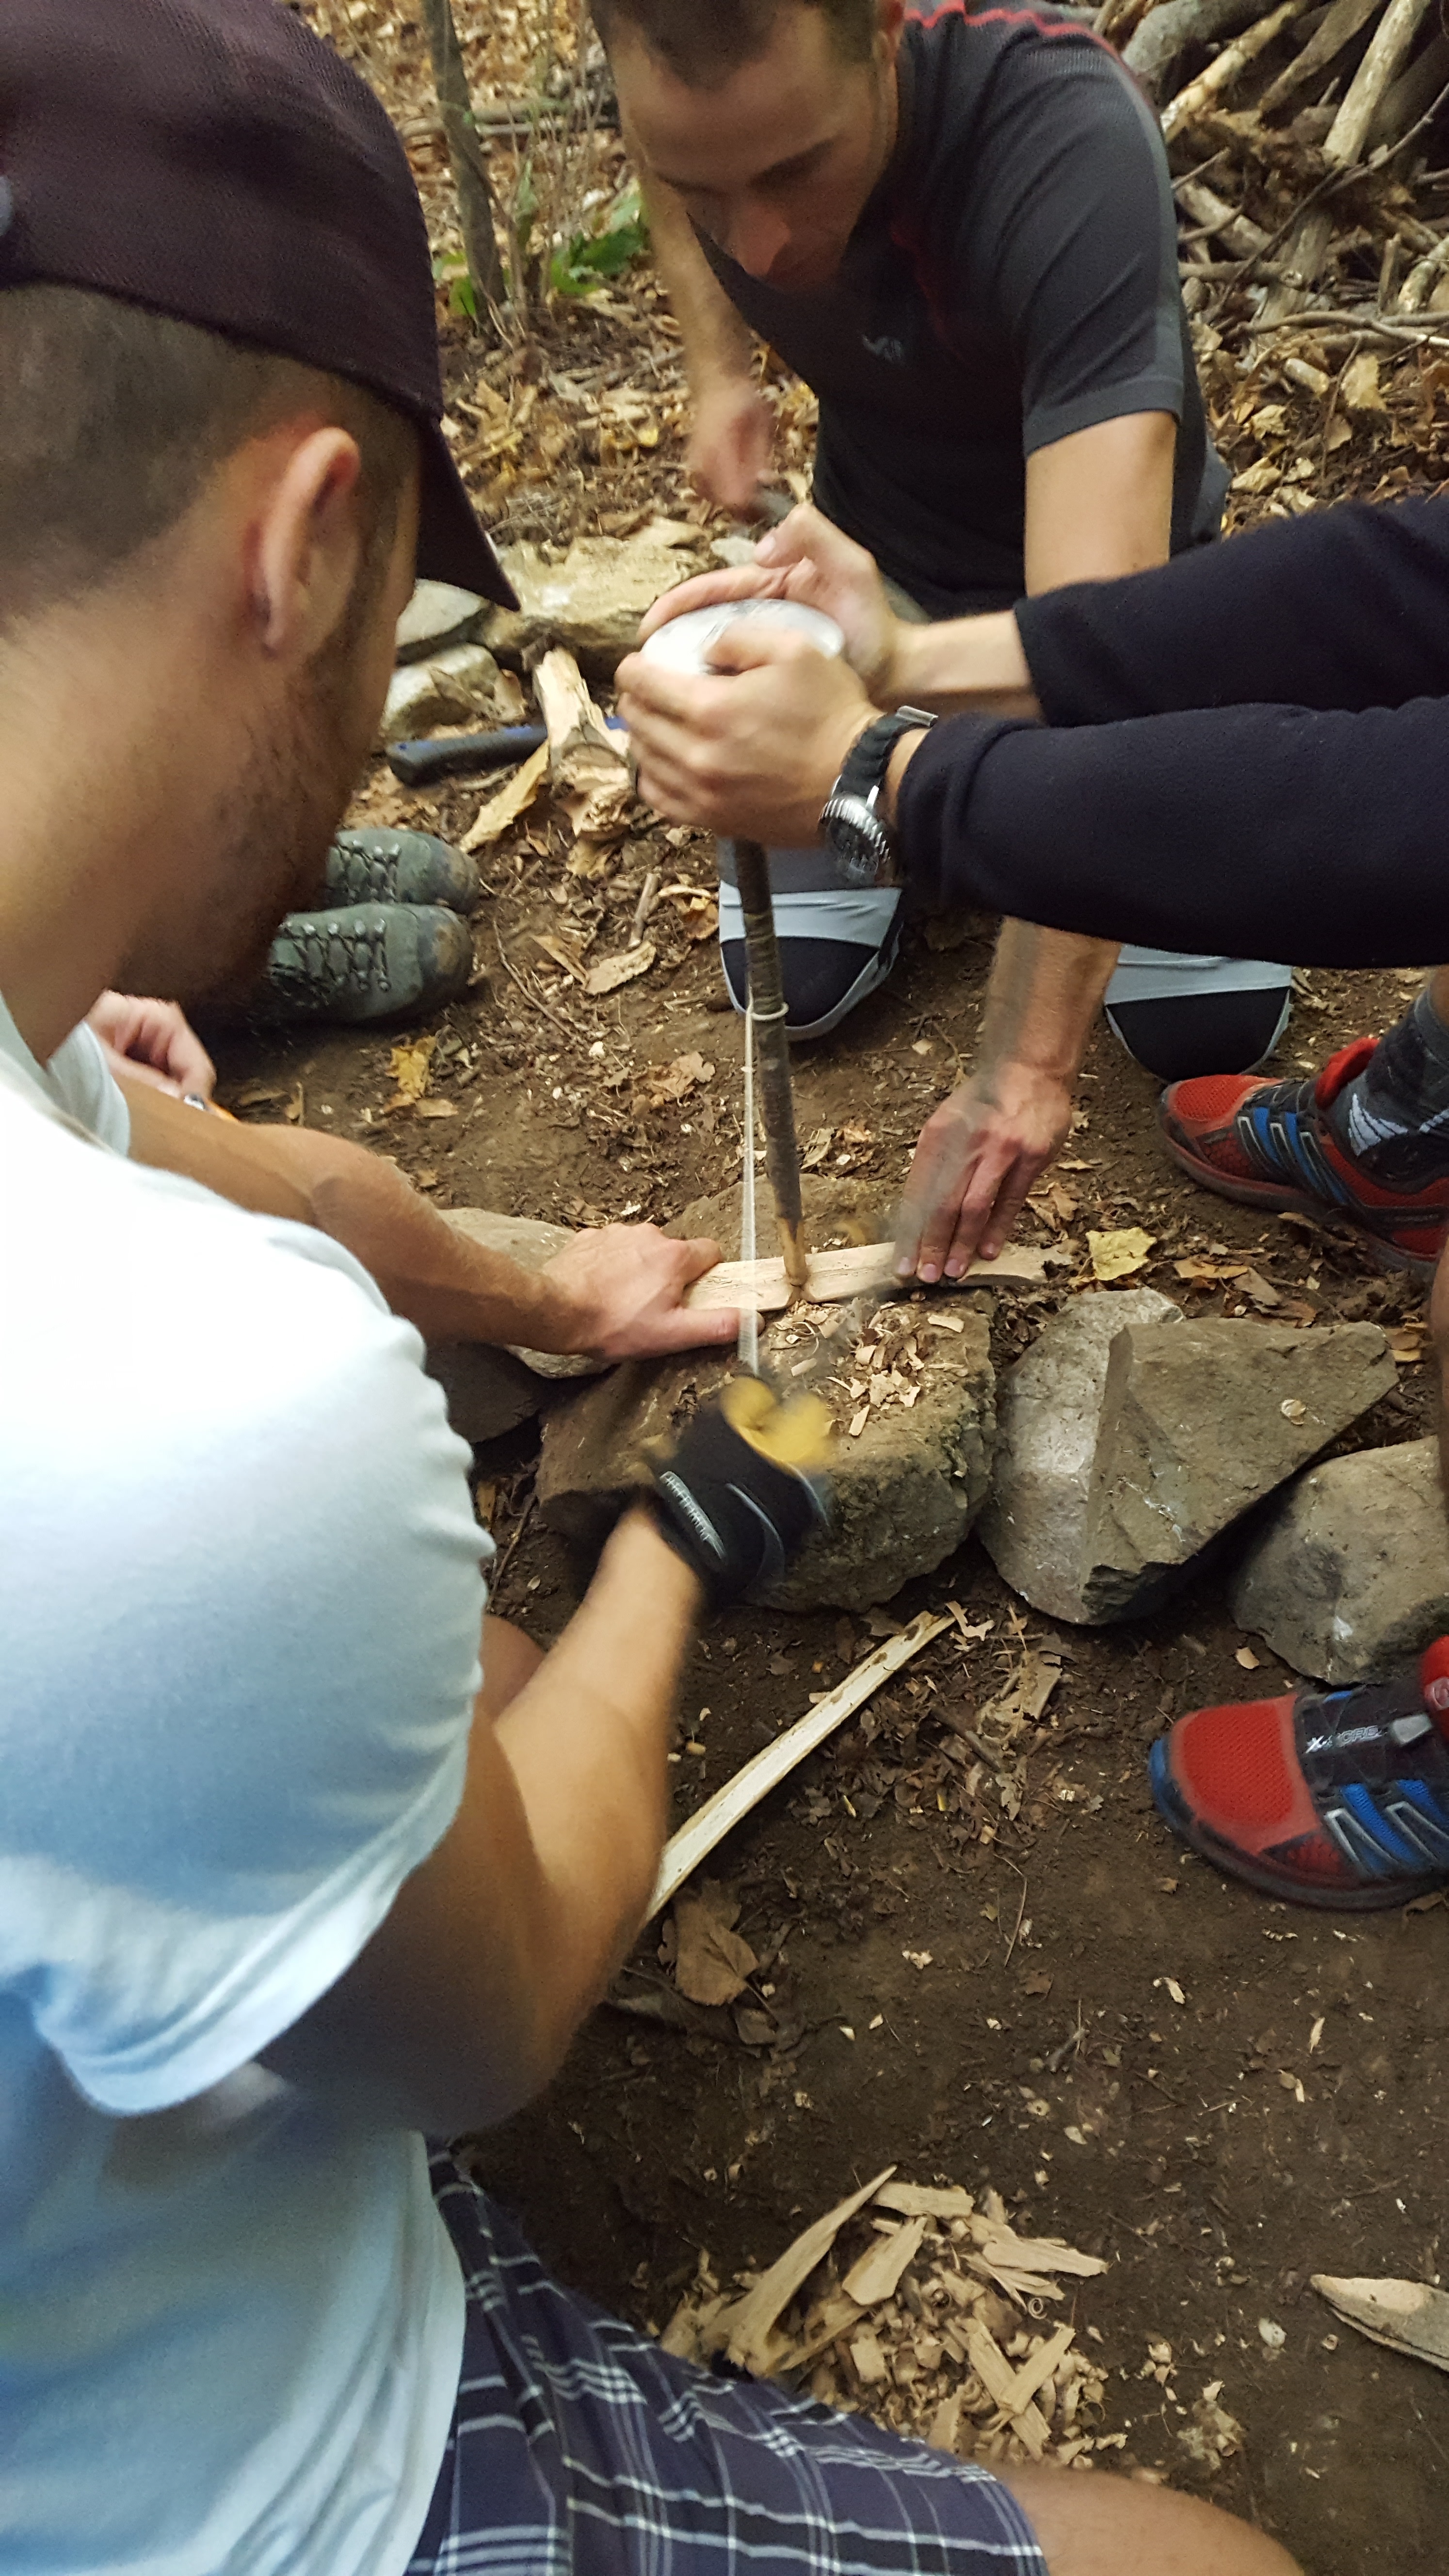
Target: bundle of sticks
1303, 142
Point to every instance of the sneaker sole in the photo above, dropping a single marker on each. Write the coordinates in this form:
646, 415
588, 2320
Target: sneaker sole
1373, 1897
1288, 1202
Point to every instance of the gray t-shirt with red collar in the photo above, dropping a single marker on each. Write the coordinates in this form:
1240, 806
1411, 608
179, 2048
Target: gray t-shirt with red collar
1013, 279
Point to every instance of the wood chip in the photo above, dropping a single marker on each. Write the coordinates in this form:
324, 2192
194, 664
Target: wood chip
747, 2328
493, 818
879, 2270
923, 2200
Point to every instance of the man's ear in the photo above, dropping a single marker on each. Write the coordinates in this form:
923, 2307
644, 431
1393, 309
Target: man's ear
307, 545
890, 21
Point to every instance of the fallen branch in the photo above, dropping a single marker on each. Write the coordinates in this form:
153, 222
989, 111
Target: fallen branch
720, 1814
1343, 148
1234, 58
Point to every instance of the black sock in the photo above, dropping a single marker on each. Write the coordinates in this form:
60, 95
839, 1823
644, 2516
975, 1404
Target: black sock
1394, 1116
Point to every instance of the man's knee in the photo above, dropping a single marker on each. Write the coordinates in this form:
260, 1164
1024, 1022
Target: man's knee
1098, 2525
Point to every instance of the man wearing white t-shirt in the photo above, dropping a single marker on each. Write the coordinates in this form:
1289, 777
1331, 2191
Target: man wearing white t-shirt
282, 1887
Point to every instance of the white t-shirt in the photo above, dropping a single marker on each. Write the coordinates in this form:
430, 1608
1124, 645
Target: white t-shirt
240, 1596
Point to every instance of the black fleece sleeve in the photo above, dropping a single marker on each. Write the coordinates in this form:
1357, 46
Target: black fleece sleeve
1256, 831
1346, 609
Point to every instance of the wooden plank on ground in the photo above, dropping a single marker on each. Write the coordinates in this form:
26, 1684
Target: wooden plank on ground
853, 1272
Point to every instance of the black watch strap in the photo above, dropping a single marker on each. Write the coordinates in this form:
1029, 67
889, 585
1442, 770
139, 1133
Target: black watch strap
869, 757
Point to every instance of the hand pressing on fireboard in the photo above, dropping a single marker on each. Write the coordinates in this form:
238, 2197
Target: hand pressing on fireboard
755, 751
622, 1290
982, 1150
153, 1042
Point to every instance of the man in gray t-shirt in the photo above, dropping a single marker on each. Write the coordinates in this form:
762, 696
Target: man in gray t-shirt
958, 229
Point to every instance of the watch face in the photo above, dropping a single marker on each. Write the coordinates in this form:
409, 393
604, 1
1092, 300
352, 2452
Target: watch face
858, 837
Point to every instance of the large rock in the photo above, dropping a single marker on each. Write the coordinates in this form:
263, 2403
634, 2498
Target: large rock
907, 1487
1050, 1414
1350, 1576
1194, 1423
446, 689
437, 614
592, 601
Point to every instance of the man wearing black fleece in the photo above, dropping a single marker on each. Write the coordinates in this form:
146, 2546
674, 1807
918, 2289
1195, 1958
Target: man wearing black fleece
1256, 734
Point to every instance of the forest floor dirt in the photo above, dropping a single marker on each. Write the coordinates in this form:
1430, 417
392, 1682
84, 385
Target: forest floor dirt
1281, 2118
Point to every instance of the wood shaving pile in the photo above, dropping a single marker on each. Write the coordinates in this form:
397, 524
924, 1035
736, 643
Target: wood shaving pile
919, 2306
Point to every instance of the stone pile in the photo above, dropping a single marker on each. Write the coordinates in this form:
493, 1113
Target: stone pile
1131, 1440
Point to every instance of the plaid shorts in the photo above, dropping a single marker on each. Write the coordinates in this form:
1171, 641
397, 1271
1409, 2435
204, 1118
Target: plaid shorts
578, 2448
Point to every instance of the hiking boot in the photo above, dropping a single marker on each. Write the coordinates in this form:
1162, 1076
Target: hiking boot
400, 867
368, 961
1367, 1142
1330, 1798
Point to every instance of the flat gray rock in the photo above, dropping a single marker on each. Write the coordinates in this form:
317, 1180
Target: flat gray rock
1049, 1414
446, 689
1189, 1425
437, 614
1350, 1576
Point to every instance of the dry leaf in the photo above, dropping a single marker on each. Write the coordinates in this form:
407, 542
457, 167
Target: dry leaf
1262, 1291
610, 972
1408, 2316
410, 1065
510, 801
1196, 1267
435, 1108
712, 1963
1406, 1343
1359, 389
1116, 1254
666, 1082
567, 957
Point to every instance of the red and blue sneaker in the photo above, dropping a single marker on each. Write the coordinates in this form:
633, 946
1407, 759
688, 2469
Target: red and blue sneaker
1368, 1142
1330, 1798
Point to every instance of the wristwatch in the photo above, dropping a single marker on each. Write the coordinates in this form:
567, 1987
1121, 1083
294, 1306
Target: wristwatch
861, 838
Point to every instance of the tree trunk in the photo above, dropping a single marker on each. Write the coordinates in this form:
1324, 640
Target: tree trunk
470, 170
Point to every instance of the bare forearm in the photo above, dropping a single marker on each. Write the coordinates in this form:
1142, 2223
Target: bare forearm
716, 342
451, 1289
587, 1742
966, 666
1042, 997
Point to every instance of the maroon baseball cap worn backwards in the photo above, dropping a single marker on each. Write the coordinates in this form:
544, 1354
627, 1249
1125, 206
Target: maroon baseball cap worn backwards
214, 160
